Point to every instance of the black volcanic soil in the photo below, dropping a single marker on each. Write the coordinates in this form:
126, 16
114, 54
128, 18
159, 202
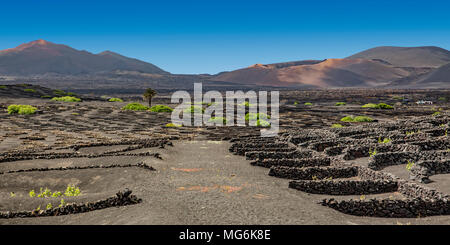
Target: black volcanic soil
197, 180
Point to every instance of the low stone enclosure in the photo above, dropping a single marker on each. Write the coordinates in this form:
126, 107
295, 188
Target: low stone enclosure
349, 161
122, 198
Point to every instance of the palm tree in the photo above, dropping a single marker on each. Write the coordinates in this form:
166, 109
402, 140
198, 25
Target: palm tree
148, 95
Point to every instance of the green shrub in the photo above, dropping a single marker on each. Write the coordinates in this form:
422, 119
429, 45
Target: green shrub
194, 109
370, 105
363, 119
384, 106
173, 125
135, 107
256, 116
66, 99
378, 106
30, 90
246, 104
347, 119
308, 103
337, 125
398, 98
340, 103
384, 141
21, 109
296, 103
32, 193
59, 92
46, 96
115, 100
262, 123
2, 87
440, 98
72, 191
436, 113
218, 120
161, 108
356, 119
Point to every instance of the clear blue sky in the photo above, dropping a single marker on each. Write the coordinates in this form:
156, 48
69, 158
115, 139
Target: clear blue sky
212, 36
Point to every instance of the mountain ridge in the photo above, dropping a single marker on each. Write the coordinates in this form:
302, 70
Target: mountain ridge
41, 57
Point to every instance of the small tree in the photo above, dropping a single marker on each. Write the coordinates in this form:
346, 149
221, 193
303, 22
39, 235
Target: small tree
148, 95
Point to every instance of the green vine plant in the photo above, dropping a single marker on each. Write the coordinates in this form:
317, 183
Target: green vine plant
384, 141
409, 165
71, 191
372, 153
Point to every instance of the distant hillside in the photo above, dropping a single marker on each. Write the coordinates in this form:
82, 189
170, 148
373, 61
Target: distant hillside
327, 73
60, 66
407, 57
41, 57
439, 78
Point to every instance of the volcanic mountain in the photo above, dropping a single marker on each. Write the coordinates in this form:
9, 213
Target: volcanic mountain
439, 78
326, 73
407, 56
377, 67
43, 57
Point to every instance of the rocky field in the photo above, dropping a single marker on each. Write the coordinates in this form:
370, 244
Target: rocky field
91, 162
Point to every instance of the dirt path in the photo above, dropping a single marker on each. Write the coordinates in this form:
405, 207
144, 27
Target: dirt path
200, 182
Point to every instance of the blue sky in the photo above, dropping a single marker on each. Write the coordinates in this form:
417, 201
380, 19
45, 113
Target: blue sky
212, 36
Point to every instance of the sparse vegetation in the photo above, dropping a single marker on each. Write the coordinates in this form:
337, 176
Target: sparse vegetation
45, 193
398, 98
2, 87
32, 193
173, 125
67, 99
372, 152
246, 104
218, 120
340, 103
161, 108
62, 203
436, 113
72, 191
59, 92
30, 90
356, 119
135, 107
46, 97
262, 123
115, 100
412, 132
377, 106
384, 141
308, 104
409, 165
21, 109
337, 125
256, 116
194, 109
148, 95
